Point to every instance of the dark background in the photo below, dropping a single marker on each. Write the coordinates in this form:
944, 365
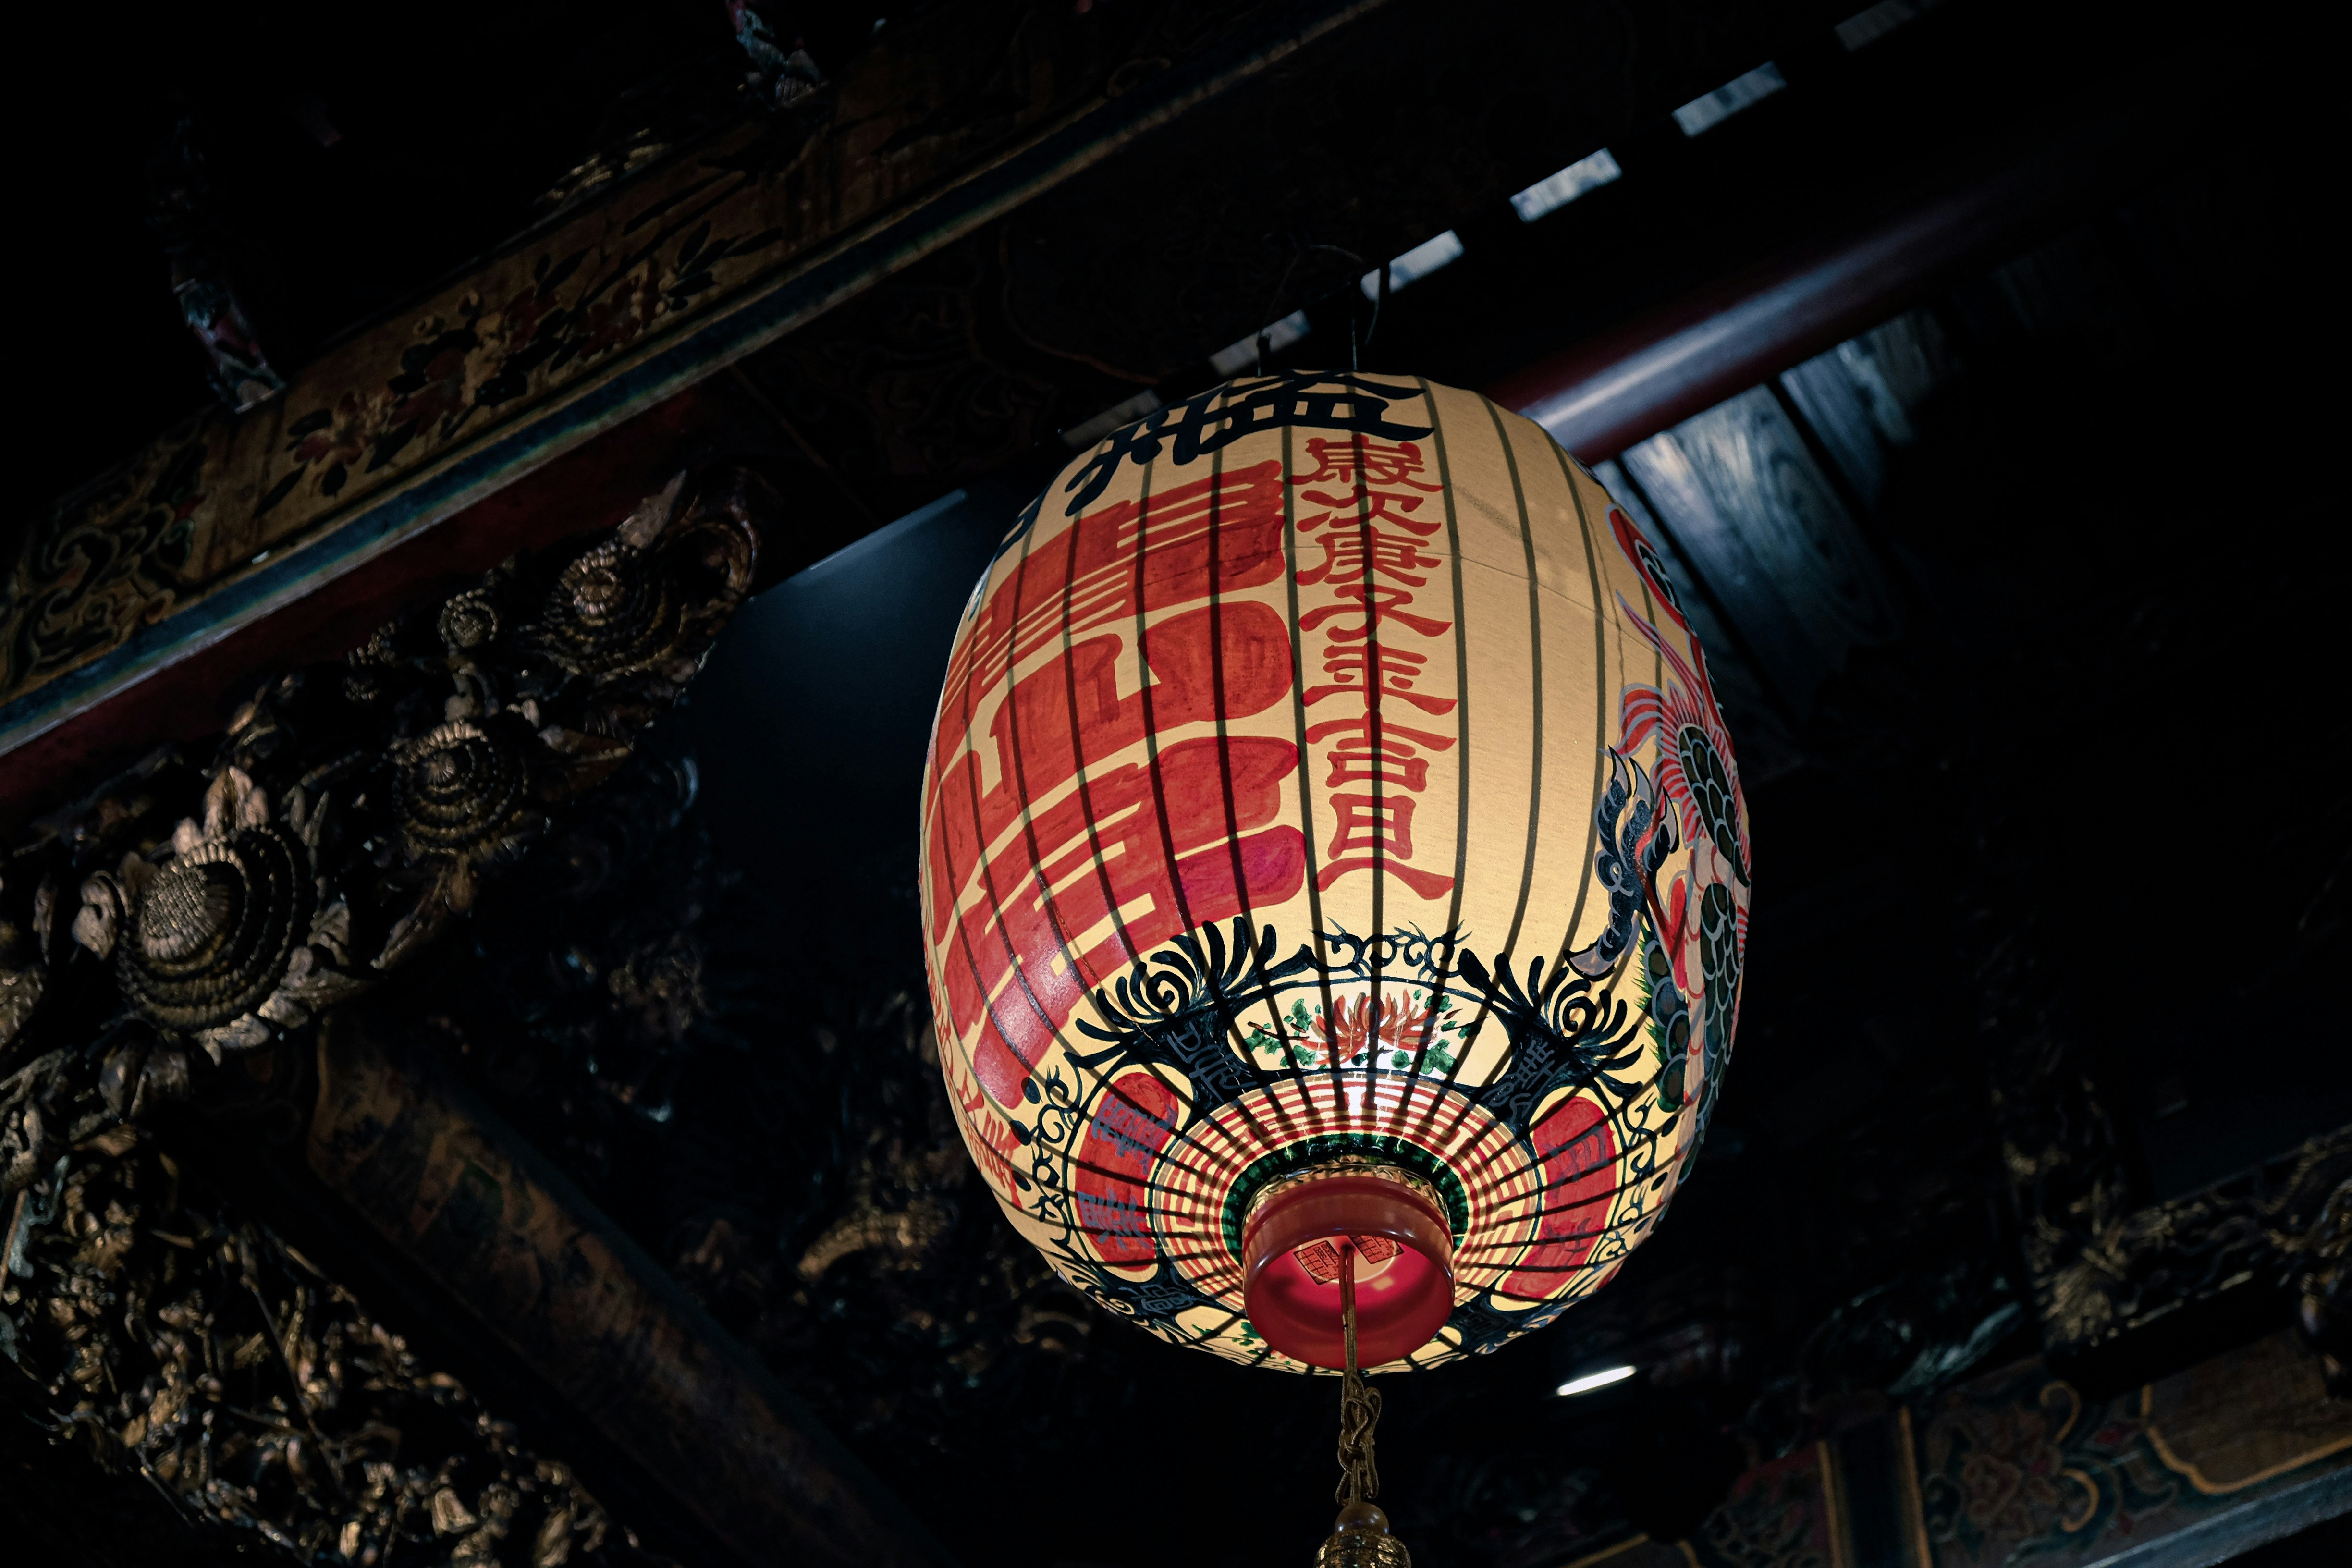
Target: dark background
2087, 778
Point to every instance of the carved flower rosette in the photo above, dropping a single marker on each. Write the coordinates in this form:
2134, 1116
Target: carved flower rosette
445, 741
650, 597
226, 939
467, 787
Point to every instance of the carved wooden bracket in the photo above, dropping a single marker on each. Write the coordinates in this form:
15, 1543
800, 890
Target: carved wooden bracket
2104, 1265
180, 934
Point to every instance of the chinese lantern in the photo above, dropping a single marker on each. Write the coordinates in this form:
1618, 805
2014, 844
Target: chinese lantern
1336, 874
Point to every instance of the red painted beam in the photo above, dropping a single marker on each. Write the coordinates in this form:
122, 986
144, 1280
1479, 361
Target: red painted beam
1609, 392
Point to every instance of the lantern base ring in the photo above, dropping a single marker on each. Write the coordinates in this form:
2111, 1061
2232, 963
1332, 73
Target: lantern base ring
1395, 1225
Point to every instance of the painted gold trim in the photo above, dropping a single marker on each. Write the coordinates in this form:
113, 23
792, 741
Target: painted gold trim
1833, 1506
1915, 1507
2073, 1411
1606, 1553
2080, 1478
2197, 1479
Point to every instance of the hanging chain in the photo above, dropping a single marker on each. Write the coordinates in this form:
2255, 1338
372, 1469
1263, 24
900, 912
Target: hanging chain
1361, 1538
1360, 1406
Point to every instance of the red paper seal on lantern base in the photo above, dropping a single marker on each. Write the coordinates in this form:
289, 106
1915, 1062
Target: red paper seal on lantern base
1291, 1249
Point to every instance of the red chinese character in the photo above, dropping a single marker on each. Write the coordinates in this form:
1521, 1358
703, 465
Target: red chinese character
1101, 879
994, 1144
1227, 662
1350, 553
1371, 730
1376, 603
1132, 1126
1393, 763
1375, 671
1355, 461
1364, 507
1384, 826
1580, 1162
1188, 543
1369, 821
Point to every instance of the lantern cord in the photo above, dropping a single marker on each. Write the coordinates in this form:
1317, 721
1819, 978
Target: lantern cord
1299, 252
1290, 267
1360, 1406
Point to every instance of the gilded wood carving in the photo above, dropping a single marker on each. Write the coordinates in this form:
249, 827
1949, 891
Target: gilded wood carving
175, 938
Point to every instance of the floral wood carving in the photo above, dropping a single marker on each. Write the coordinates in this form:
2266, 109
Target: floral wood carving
173, 938
2094, 1288
2103, 1263
2323, 1308
256, 1393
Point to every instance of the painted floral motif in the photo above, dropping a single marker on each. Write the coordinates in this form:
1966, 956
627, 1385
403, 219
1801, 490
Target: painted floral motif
1701, 923
2014, 1481
1780, 1515
84, 585
2018, 1466
494, 352
1351, 1031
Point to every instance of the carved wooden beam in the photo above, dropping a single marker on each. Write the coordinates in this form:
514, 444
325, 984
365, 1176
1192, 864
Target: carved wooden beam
2195, 1467
602, 313
166, 1336
79, 670
502, 1230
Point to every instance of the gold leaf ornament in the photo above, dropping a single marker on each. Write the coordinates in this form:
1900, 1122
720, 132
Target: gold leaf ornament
206, 943
653, 593
465, 788
468, 622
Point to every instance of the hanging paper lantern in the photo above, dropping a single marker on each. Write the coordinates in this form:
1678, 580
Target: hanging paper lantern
1331, 836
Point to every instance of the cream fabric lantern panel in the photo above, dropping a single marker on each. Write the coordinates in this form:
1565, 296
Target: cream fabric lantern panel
1327, 781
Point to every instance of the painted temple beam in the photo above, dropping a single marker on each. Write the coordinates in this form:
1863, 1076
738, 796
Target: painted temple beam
602, 312
1600, 396
340, 493
2019, 1465
496, 1225
180, 700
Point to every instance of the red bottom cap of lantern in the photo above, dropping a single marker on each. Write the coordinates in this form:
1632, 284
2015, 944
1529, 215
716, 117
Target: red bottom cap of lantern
1291, 1257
